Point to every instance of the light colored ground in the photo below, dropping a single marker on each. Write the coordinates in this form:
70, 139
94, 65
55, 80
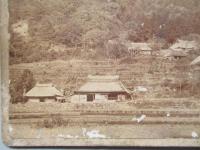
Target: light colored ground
173, 118
114, 131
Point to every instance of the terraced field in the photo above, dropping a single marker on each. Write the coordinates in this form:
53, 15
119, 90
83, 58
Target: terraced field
153, 117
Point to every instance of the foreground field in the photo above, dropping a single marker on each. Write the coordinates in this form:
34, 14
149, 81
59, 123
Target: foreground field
173, 118
185, 104
139, 131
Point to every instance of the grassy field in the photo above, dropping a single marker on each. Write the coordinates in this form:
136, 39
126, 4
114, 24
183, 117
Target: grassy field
176, 119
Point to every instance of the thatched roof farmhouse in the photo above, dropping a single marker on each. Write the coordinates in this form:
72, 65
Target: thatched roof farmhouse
43, 92
109, 86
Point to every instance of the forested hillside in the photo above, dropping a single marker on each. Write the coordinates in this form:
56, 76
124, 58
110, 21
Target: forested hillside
95, 29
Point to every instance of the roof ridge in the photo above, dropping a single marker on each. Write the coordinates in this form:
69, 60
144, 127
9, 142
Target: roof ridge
44, 85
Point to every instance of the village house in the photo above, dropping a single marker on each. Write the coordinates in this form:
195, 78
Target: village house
139, 48
102, 88
44, 93
174, 54
186, 46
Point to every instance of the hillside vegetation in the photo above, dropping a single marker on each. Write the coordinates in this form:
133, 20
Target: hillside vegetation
162, 80
95, 29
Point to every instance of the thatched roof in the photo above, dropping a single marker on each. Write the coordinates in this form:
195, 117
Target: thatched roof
43, 90
103, 78
140, 46
181, 45
175, 53
102, 84
196, 61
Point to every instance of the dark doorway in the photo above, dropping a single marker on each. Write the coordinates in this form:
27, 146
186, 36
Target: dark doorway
42, 99
112, 96
90, 97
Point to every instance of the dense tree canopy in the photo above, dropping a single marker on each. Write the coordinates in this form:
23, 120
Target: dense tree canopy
92, 23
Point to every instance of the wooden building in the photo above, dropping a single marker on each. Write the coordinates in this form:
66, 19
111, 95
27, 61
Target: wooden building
175, 54
183, 45
139, 48
102, 88
44, 93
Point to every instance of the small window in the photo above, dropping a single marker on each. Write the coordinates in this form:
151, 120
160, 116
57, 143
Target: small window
90, 97
42, 100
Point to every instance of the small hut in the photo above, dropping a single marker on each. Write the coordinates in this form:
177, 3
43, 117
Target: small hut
102, 88
139, 48
43, 93
182, 45
175, 54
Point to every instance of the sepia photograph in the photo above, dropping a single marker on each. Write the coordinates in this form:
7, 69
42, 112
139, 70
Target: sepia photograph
102, 72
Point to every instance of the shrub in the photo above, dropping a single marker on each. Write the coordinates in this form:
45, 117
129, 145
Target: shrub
54, 121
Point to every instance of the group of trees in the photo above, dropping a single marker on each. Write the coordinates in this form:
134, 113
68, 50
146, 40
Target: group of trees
90, 24
20, 85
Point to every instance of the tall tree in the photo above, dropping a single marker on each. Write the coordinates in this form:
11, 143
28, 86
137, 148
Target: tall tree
21, 85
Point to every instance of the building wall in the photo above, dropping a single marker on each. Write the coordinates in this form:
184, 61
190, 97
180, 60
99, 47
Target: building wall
121, 97
100, 97
49, 100
33, 100
146, 52
78, 99
46, 100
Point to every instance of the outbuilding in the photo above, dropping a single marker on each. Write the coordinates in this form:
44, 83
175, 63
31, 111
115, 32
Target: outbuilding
175, 54
44, 93
183, 45
139, 48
